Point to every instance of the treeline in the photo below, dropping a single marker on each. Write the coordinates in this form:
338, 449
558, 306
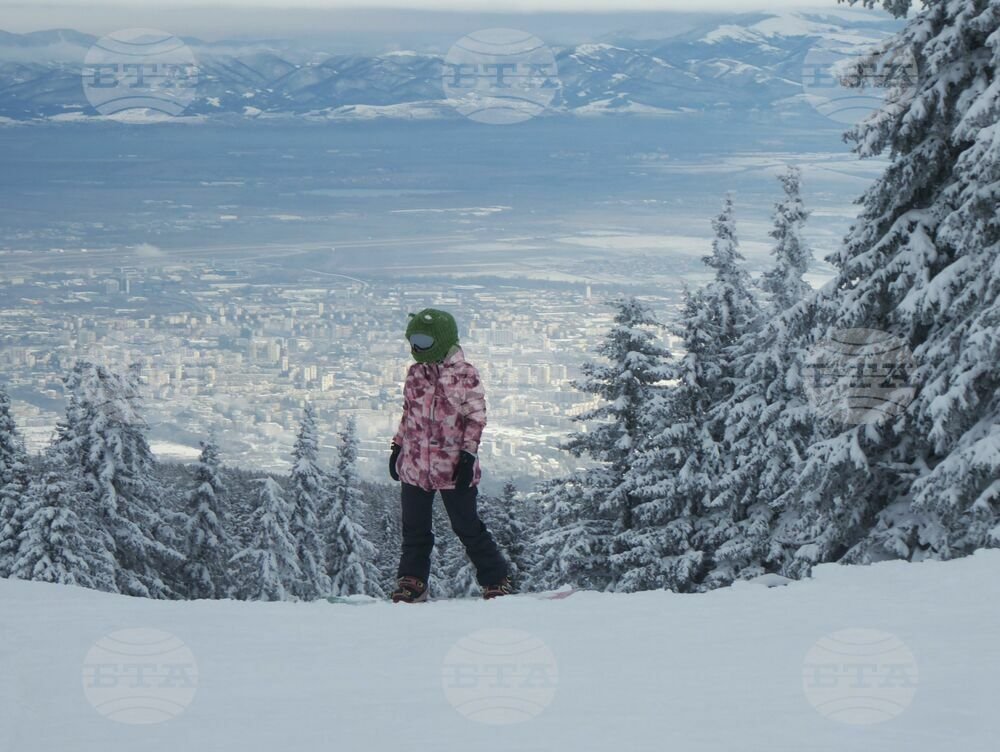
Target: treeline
715, 465
97, 510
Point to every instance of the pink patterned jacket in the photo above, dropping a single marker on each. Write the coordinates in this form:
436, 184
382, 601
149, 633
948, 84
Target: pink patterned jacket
444, 412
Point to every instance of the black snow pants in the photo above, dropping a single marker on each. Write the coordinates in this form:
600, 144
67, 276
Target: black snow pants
418, 535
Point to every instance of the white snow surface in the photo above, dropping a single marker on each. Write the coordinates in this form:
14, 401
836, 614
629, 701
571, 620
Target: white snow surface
788, 24
649, 671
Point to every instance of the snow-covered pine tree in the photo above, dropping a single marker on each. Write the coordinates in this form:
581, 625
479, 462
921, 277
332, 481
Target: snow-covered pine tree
13, 485
56, 543
923, 263
733, 312
572, 546
591, 514
350, 555
785, 282
767, 422
682, 517
268, 567
102, 442
305, 494
729, 296
460, 573
387, 539
672, 474
208, 545
240, 500
505, 518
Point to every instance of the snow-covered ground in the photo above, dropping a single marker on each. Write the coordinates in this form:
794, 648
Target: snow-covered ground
743, 669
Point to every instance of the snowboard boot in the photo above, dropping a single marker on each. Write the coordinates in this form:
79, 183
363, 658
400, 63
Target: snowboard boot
504, 587
409, 590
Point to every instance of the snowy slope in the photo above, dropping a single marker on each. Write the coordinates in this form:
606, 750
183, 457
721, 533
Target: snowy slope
650, 671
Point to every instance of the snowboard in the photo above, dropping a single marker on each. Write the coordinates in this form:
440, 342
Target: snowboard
555, 595
352, 600
365, 600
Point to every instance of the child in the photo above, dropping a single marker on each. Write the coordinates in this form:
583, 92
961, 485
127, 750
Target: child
444, 414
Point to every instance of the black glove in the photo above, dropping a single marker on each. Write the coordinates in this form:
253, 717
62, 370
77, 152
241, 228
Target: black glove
464, 471
396, 449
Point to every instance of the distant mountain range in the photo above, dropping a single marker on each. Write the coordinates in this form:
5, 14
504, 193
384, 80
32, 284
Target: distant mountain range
736, 64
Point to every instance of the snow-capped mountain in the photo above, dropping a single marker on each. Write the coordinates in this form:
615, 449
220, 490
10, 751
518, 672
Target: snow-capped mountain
734, 64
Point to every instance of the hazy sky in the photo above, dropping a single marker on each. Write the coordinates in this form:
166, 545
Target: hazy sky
500, 6
214, 19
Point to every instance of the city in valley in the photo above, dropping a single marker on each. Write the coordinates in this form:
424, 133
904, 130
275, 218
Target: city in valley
229, 352
249, 269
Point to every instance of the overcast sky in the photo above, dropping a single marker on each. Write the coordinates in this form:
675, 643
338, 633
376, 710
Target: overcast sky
453, 5
213, 19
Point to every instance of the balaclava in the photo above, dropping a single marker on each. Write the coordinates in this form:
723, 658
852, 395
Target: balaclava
437, 324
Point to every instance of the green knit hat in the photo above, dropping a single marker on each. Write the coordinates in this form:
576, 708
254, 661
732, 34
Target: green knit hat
437, 324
